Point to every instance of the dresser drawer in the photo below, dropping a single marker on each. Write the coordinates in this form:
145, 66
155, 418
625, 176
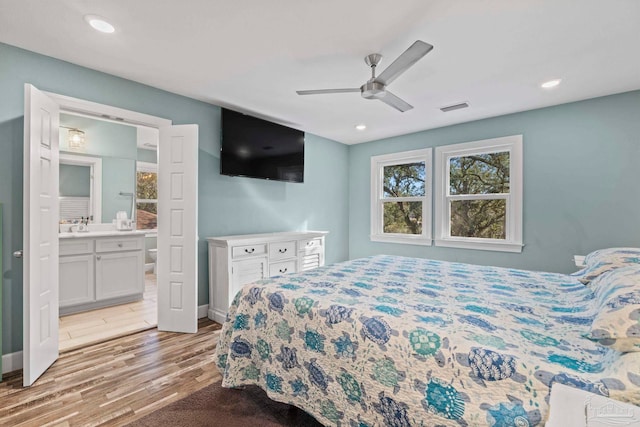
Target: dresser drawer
75, 246
249, 250
119, 244
311, 246
282, 267
282, 250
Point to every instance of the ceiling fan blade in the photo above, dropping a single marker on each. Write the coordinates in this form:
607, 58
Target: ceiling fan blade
323, 91
395, 102
404, 62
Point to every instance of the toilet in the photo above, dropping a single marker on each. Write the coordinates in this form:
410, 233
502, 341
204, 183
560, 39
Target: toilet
153, 253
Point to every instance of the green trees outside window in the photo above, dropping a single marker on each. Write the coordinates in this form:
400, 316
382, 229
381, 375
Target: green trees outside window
147, 200
400, 182
481, 181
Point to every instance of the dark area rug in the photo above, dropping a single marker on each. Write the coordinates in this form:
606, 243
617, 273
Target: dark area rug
217, 406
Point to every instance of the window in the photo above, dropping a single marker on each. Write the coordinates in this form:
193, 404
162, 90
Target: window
479, 195
401, 197
146, 196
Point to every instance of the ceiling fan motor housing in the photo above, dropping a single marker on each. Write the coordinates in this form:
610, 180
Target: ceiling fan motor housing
372, 90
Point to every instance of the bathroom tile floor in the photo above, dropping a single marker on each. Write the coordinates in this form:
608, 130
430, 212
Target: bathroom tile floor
91, 327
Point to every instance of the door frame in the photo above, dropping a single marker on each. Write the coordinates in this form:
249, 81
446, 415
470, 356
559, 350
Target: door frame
105, 112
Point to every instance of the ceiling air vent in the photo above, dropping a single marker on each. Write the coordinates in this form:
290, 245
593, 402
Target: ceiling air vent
454, 107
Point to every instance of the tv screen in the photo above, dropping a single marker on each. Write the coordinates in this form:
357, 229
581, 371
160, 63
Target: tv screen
257, 148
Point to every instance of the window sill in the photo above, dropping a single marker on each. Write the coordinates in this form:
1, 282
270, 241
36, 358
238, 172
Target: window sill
480, 245
405, 240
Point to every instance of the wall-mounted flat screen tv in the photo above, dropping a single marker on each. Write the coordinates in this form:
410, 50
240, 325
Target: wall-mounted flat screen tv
258, 148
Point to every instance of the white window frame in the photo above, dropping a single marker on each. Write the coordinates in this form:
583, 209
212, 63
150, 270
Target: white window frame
377, 199
513, 226
149, 168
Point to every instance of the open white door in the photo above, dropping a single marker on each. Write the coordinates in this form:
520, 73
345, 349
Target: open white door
40, 235
178, 229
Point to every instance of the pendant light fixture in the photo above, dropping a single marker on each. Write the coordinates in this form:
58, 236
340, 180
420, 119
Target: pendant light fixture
76, 140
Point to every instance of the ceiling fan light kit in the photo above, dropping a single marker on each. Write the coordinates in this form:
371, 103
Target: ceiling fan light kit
376, 87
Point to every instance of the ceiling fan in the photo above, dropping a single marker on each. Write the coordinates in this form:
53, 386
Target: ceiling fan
376, 87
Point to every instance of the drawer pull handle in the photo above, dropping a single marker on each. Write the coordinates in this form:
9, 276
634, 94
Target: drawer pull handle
98, 257
309, 243
250, 251
119, 245
282, 250
283, 270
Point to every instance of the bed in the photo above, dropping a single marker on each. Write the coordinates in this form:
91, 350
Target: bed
399, 341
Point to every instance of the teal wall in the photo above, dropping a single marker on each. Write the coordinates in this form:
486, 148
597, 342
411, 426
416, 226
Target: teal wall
581, 178
149, 156
102, 138
226, 205
75, 180
118, 175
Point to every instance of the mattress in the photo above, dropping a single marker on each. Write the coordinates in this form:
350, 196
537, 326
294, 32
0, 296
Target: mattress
398, 341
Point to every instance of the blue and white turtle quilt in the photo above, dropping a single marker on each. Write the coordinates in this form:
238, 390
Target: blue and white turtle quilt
397, 341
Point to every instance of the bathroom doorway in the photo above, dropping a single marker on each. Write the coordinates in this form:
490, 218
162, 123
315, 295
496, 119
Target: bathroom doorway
108, 172
177, 306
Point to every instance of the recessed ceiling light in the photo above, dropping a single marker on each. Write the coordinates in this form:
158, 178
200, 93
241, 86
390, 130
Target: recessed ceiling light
98, 23
361, 127
550, 84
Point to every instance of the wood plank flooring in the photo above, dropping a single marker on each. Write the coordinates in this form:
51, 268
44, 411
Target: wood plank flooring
114, 382
91, 327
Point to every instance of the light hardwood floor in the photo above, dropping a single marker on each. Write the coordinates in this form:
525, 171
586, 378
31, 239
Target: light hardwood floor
114, 382
91, 327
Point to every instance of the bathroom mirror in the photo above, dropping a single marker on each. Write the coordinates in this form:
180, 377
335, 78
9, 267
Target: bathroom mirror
101, 163
80, 188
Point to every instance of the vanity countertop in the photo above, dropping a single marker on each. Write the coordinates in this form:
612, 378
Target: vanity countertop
107, 233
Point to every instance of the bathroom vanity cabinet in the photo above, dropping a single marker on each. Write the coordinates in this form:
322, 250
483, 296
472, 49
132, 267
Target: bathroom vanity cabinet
100, 269
235, 261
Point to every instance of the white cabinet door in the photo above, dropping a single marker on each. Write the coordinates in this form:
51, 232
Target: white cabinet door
40, 234
119, 274
246, 271
77, 280
310, 260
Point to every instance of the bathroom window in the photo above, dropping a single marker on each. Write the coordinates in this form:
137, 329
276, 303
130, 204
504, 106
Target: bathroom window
146, 196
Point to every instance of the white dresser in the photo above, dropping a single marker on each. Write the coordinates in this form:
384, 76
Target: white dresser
100, 269
235, 261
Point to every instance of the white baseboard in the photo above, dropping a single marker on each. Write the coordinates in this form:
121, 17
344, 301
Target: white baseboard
202, 311
11, 362
217, 316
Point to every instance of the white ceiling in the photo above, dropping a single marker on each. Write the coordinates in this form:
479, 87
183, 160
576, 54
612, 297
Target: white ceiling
252, 55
